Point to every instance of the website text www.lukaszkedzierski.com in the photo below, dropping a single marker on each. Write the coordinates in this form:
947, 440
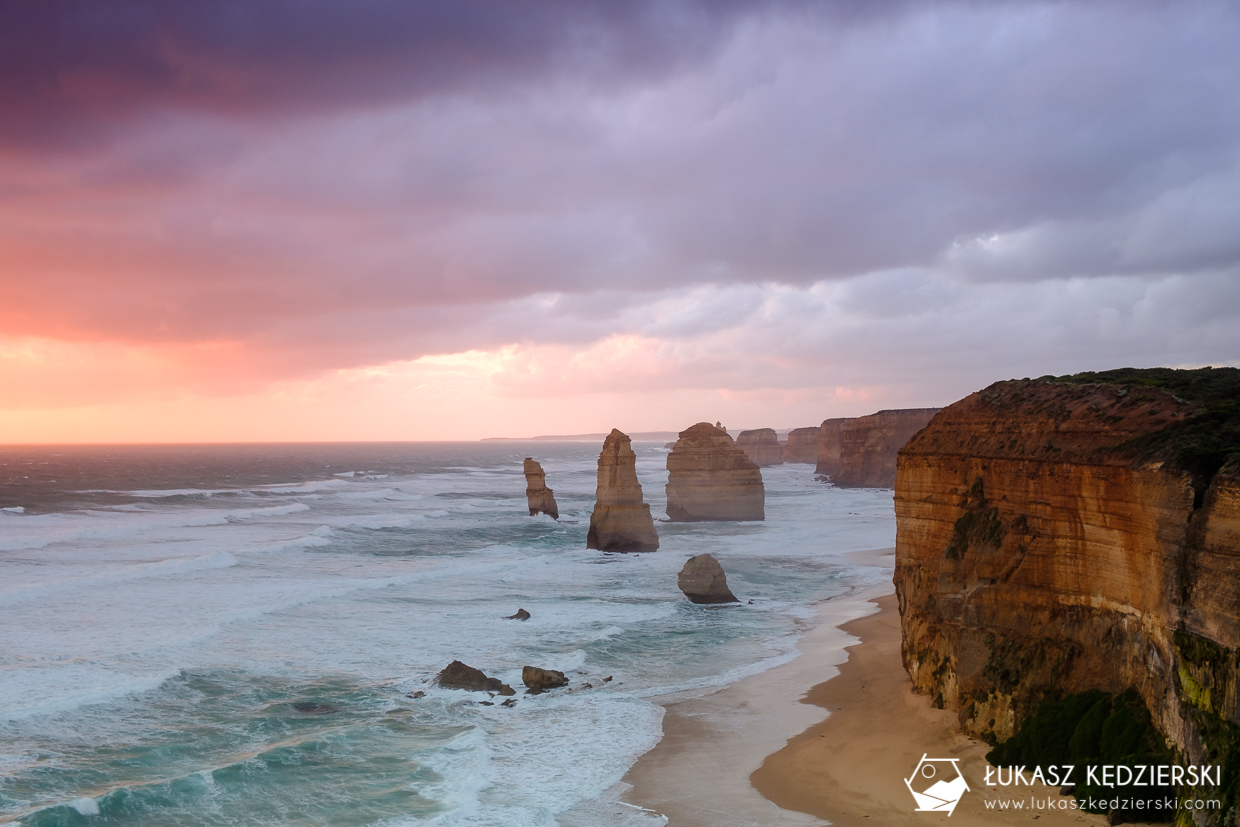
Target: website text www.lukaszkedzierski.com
1102, 804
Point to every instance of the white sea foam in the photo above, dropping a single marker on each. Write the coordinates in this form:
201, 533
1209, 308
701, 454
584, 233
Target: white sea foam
85, 806
375, 585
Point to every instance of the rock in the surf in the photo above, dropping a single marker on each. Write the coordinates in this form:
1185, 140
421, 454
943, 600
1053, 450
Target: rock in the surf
457, 675
538, 680
521, 614
703, 581
621, 521
539, 497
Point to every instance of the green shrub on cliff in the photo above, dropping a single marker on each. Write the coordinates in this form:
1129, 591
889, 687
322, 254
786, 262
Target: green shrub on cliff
1091, 728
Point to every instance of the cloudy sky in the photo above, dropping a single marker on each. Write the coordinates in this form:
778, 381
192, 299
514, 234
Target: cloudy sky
384, 219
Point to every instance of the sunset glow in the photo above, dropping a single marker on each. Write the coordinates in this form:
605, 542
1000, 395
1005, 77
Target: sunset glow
434, 224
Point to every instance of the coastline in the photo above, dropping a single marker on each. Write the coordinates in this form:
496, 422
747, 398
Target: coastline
698, 773
826, 738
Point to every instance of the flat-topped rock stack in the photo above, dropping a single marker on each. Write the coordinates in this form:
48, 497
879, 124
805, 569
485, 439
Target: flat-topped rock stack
621, 520
540, 498
802, 445
709, 478
762, 446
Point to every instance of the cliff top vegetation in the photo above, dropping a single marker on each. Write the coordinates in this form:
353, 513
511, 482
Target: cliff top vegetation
1203, 443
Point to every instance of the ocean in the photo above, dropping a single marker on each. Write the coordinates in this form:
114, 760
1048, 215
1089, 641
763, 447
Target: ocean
228, 634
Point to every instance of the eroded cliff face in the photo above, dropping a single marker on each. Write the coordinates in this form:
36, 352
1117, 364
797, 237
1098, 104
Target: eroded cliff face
538, 496
709, 478
870, 444
1047, 544
762, 446
829, 447
621, 520
802, 445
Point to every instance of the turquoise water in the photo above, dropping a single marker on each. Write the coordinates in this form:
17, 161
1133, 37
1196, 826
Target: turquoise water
165, 608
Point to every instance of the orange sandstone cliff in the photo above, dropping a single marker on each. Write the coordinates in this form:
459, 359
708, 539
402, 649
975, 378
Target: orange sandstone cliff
828, 456
869, 445
1055, 536
802, 445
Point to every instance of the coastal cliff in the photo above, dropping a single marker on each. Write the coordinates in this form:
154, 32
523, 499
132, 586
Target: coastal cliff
709, 478
539, 498
762, 446
869, 446
829, 445
1078, 533
621, 520
802, 445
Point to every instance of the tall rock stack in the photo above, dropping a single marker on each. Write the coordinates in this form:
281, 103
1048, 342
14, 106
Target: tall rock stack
709, 478
869, 446
762, 446
621, 521
829, 447
802, 445
540, 498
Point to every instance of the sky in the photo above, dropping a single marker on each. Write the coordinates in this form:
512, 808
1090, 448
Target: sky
253, 220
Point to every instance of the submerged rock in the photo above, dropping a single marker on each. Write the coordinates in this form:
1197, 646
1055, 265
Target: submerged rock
762, 446
521, 614
538, 496
314, 708
703, 581
538, 680
457, 675
709, 478
621, 520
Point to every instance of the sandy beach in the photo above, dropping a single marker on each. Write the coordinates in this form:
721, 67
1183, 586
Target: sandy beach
827, 738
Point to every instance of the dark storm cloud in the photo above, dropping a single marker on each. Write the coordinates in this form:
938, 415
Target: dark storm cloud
72, 69
341, 184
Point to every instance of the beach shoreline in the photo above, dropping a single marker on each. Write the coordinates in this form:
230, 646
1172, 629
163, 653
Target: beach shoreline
826, 738
698, 773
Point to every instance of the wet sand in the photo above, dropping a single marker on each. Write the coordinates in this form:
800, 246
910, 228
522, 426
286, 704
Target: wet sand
810, 769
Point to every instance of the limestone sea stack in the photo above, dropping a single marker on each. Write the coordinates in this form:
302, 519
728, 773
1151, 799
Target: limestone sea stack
703, 581
709, 478
829, 446
540, 498
1078, 533
802, 445
762, 446
869, 446
621, 521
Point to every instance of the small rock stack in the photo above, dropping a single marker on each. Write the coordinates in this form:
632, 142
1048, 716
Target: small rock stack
703, 581
540, 498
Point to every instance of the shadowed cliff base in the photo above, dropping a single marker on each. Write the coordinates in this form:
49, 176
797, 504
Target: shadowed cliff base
1067, 534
